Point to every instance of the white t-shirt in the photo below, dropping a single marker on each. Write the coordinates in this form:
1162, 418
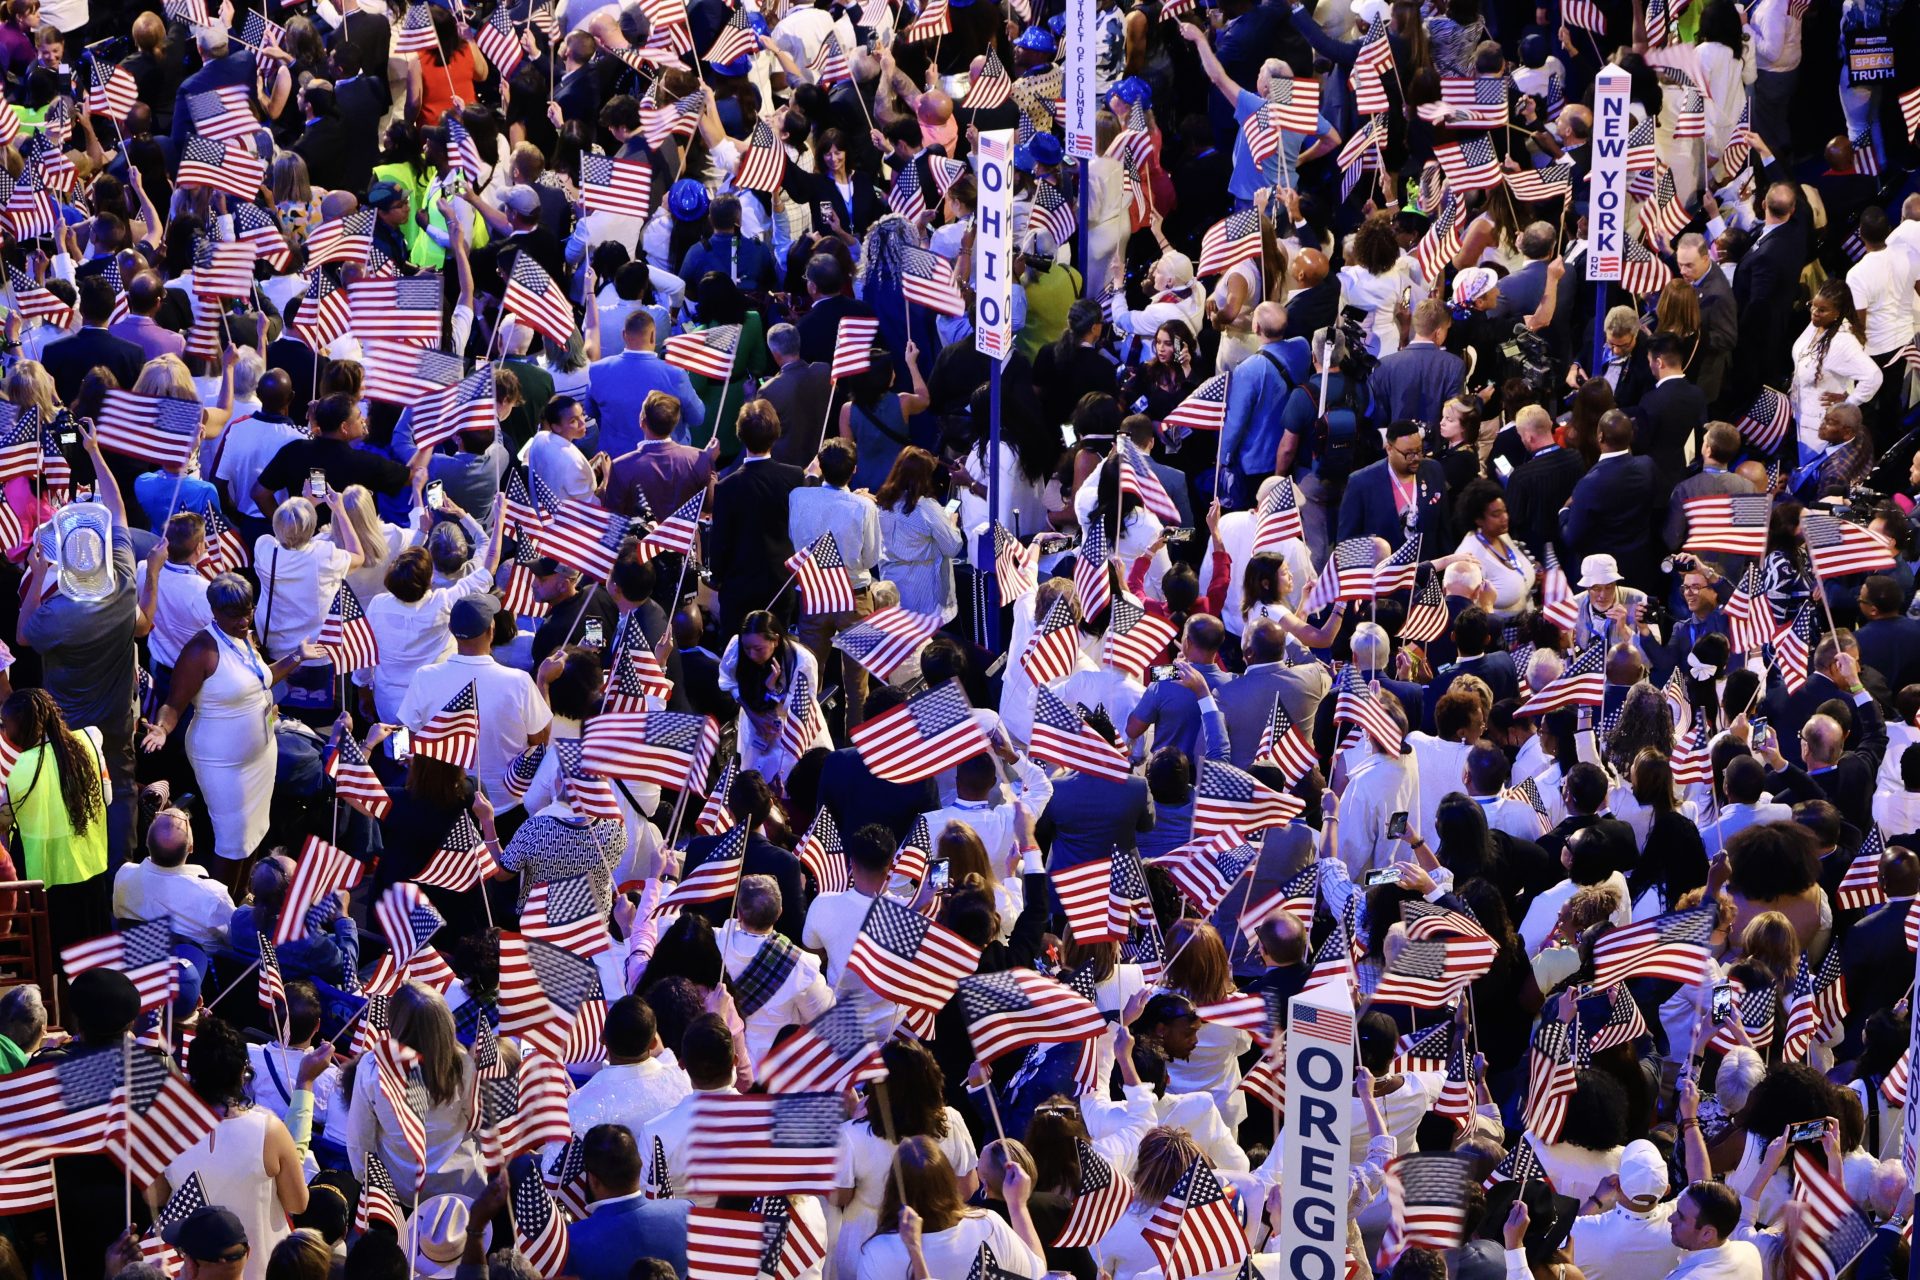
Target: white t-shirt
1882, 285
511, 712
180, 612
296, 590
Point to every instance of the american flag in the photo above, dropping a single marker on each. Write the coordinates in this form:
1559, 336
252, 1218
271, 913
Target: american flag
1475, 102
529, 503
1860, 887
1348, 575
1431, 974
408, 920
143, 952
716, 816
1664, 215
736, 40
1139, 478
1893, 1089
19, 443
156, 1115
467, 405
1749, 616
565, 1177
323, 316
717, 876
887, 638
538, 1224
415, 34
1427, 618
1832, 1232
1053, 212
586, 536
1426, 1050
1754, 1007
1674, 947
1550, 1080
1692, 760
676, 533
634, 674
322, 869
1196, 1228
62, 1107
461, 861
1277, 519
406, 308
1145, 947
347, 635
452, 734
566, 913
463, 155
833, 1052
523, 769
763, 1144
803, 725
1739, 147
1371, 67
348, 239
1358, 704
1206, 870
1100, 1197
354, 779
1734, 523
1261, 134
1442, 242
224, 114
1016, 565
1658, 20
826, 585
35, 301
29, 208
1293, 105
1549, 182
853, 346
1641, 273
532, 296
904, 197
1062, 736
1840, 547
763, 164
1135, 638
907, 958
1585, 14
1522, 1164
934, 20
1582, 684
523, 1112
499, 42
1427, 1202
667, 17
1228, 799
1690, 114
1792, 647
1094, 912
1469, 165
992, 87
154, 429
551, 998
610, 185
911, 859
666, 748
1054, 650
723, 1244
1910, 110
1232, 240
111, 90
271, 990
1398, 571
1015, 1009
1816, 1003
226, 549
927, 278
821, 853
829, 63
1204, 409
707, 352
1426, 922
232, 167
1621, 1024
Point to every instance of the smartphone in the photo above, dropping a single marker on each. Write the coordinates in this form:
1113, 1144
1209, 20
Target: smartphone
1164, 672
939, 872
1385, 875
1758, 726
1179, 533
1806, 1130
1722, 1003
1397, 826
317, 485
593, 634
1504, 467
436, 495
400, 744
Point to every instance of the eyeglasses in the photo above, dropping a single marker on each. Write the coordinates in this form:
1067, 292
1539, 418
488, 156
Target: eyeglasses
1409, 454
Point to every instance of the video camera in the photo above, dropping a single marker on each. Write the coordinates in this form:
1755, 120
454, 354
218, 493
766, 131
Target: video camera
1530, 359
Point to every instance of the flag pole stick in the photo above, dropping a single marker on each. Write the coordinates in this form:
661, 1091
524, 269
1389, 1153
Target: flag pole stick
782, 591
231, 985
833, 388
993, 1106
59, 1228
126, 1082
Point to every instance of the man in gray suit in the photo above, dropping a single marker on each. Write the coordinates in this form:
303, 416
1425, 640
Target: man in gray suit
1247, 700
1718, 449
1719, 314
799, 394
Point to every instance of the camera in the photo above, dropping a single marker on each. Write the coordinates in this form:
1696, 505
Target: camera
1358, 363
1529, 359
1859, 505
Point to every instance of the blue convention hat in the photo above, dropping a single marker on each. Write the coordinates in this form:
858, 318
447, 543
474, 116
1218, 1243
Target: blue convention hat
1023, 158
1134, 91
687, 200
1045, 149
1058, 25
1036, 40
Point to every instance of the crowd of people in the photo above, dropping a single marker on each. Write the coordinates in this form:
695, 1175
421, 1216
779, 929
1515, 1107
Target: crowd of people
558, 726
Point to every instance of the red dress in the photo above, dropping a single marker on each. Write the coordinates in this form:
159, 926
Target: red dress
440, 86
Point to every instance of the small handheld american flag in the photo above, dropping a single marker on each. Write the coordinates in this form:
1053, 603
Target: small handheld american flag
763, 165
935, 730
452, 734
611, 185
532, 296
708, 352
826, 586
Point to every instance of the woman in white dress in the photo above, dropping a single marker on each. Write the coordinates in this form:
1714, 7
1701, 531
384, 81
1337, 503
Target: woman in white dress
912, 1096
934, 1233
774, 680
1830, 363
1505, 564
1377, 279
223, 676
247, 1164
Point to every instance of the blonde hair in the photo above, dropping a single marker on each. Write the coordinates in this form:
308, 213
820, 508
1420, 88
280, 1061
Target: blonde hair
966, 856
30, 386
294, 522
166, 377
357, 504
1770, 940
1165, 1154
422, 1022
288, 180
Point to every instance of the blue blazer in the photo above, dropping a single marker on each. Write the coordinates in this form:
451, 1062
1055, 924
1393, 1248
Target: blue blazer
618, 385
607, 1242
1368, 510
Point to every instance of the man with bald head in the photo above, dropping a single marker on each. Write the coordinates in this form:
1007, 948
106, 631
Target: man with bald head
1873, 954
1315, 301
1830, 771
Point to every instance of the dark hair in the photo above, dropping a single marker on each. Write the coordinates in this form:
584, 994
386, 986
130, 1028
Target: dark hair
1771, 861
217, 1065
1715, 1206
1597, 1113
686, 950
872, 847
1586, 787
915, 1099
1401, 428
705, 1051
32, 719
838, 457
1379, 1038
611, 1155
676, 1002
1474, 501
630, 1028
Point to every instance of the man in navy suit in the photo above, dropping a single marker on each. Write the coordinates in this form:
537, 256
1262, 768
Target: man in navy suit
1405, 492
1613, 506
1672, 412
1765, 284
1417, 380
624, 1226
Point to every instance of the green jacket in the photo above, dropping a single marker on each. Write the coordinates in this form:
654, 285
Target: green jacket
1048, 299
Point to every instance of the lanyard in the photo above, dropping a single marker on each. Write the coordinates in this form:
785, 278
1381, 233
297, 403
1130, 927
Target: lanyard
1501, 549
246, 653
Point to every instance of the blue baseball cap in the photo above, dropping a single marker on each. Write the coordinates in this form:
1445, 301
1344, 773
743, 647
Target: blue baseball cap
1134, 91
1036, 40
687, 200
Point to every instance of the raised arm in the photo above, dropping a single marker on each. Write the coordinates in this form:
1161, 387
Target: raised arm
1210, 61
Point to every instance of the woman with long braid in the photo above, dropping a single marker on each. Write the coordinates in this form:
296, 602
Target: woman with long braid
1830, 363
57, 794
